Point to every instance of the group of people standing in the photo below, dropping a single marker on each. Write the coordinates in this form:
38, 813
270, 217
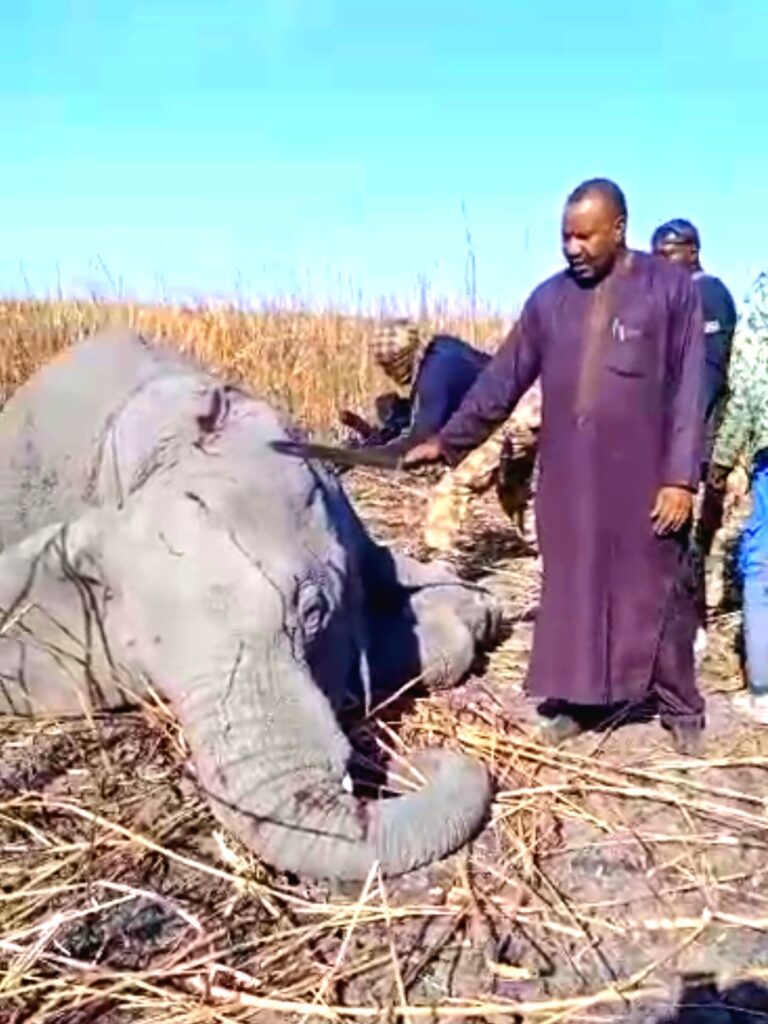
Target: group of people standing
629, 377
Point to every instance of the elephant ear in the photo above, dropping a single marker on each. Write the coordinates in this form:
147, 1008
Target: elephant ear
55, 630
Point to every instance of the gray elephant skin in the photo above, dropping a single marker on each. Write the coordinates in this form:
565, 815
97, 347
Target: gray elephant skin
150, 536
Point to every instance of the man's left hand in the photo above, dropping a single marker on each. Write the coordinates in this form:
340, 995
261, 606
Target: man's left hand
673, 509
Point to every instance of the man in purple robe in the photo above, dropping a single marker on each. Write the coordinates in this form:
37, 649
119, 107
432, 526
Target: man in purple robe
619, 343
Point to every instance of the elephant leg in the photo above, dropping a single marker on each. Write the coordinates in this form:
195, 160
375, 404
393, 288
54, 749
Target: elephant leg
446, 645
433, 585
426, 644
55, 655
425, 623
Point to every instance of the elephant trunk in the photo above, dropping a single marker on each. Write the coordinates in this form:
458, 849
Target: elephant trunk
272, 761
341, 836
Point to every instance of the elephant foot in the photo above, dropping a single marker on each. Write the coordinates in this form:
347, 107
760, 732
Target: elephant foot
471, 606
447, 648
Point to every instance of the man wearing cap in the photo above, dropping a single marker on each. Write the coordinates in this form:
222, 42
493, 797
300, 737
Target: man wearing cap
678, 242
439, 373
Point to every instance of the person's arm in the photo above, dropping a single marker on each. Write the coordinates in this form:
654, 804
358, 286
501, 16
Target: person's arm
429, 405
494, 394
498, 389
719, 314
731, 440
686, 382
736, 426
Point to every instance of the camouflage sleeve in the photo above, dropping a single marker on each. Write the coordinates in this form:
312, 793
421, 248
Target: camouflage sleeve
746, 380
735, 428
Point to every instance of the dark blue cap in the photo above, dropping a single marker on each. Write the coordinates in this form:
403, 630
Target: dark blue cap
677, 230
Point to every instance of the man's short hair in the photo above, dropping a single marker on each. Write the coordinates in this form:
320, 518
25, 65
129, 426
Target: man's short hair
676, 230
601, 187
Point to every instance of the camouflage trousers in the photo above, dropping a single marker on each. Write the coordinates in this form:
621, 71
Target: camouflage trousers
451, 497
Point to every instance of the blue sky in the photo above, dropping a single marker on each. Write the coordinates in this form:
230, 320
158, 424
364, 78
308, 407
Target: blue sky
340, 147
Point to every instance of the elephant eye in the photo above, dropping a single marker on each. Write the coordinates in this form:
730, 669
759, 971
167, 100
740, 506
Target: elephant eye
312, 608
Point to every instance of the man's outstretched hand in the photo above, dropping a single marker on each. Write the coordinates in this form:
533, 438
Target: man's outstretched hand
673, 509
423, 454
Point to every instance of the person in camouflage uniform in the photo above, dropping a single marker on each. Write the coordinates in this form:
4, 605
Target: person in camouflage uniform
743, 432
439, 372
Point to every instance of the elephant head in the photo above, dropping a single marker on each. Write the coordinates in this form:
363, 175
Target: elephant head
230, 578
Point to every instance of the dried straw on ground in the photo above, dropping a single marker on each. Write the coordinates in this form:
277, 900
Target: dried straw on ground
608, 869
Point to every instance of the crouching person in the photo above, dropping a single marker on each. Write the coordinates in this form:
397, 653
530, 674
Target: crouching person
744, 432
439, 372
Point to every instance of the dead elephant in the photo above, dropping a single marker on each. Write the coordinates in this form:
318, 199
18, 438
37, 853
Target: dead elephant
150, 534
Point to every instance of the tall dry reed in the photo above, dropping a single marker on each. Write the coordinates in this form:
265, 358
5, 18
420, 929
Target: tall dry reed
310, 363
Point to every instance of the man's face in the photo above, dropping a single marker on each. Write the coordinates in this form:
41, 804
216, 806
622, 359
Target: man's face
593, 236
684, 254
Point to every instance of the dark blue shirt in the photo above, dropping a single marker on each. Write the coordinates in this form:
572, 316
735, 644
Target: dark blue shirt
448, 369
719, 313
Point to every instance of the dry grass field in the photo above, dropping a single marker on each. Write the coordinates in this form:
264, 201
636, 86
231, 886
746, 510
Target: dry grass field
614, 881
310, 363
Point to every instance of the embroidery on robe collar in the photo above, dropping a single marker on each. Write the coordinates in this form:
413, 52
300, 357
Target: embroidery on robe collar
599, 323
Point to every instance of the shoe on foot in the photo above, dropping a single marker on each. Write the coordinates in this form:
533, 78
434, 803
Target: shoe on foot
753, 706
558, 729
688, 740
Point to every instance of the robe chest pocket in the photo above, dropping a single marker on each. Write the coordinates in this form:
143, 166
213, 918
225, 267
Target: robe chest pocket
628, 349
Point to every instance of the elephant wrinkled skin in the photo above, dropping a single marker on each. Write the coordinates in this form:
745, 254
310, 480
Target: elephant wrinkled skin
150, 535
